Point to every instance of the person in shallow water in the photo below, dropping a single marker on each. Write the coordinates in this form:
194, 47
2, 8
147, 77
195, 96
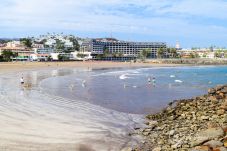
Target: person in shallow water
154, 81
149, 80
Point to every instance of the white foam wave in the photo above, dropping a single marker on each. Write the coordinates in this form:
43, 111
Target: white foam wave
123, 76
172, 76
178, 81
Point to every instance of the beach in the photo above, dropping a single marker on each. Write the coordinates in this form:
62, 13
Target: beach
34, 119
16, 66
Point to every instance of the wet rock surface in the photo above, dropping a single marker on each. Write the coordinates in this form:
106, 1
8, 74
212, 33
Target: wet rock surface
198, 124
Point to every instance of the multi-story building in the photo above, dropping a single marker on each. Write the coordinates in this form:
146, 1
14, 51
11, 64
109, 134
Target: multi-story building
126, 49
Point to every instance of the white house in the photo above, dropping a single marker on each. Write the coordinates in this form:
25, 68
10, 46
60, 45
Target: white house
55, 56
81, 55
50, 42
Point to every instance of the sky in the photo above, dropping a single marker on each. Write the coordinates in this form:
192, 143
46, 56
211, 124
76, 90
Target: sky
194, 23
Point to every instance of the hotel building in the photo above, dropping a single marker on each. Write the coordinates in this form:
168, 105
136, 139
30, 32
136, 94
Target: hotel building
127, 49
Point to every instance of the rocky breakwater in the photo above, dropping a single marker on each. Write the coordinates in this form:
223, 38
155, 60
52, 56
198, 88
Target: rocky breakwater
198, 124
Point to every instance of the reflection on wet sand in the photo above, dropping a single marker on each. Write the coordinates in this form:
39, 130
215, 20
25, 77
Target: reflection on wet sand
35, 121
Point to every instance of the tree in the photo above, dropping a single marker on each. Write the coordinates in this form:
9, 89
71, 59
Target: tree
160, 52
7, 55
27, 42
76, 45
62, 57
106, 52
59, 45
144, 54
173, 52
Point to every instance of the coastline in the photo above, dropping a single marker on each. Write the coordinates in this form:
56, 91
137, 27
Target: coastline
36, 121
196, 124
19, 66
34, 66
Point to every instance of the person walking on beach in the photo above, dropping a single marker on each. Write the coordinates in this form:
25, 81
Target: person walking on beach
22, 80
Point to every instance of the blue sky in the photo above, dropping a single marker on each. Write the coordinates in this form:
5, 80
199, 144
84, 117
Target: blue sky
200, 23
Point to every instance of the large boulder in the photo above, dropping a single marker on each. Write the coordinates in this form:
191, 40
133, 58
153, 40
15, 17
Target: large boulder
207, 135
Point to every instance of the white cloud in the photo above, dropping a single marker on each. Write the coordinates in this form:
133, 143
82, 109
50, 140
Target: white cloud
149, 17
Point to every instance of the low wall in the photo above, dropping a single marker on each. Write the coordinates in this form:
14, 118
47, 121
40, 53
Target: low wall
190, 61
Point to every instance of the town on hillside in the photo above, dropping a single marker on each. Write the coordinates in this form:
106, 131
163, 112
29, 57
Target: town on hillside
59, 47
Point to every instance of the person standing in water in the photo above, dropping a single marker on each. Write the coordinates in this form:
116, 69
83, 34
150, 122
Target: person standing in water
154, 81
149, 80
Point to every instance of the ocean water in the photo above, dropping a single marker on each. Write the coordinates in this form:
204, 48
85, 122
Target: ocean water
128, 90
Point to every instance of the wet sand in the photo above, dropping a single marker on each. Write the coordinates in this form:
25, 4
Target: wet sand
32, 121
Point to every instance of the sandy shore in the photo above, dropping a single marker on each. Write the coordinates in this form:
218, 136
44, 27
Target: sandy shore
34, 121
18, 66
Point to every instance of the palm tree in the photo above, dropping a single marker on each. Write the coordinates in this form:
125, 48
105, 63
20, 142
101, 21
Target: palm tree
160, 52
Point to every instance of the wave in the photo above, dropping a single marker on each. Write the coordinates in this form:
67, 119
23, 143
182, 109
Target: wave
172, 76
178, 81
123, 76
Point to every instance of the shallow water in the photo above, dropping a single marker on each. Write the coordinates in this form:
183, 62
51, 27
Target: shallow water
128, 90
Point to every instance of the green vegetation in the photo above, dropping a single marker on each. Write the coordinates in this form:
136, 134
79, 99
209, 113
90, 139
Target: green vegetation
76, 45
144, 54
27, 42
7, 55
80, 55
63, 57
161, 52
59, 46
193, 55
172, 52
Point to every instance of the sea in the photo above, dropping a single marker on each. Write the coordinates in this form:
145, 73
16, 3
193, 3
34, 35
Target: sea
134, 90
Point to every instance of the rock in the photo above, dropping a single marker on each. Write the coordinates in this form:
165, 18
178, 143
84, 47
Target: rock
214, 144
127, 149
161, 142
211, 91
220, 112
157, 149
171, 133
152, 124
202, 148
219, 87
225, 143
220, 149
224, 90
207, 135
204, 118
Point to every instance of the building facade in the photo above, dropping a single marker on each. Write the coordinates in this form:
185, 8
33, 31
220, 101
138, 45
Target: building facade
125, 49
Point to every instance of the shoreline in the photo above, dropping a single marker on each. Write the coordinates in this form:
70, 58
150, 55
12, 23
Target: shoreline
20, 66
37, 121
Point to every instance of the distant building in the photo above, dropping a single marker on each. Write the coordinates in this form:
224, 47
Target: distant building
178, 47
23, 53
126, 49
